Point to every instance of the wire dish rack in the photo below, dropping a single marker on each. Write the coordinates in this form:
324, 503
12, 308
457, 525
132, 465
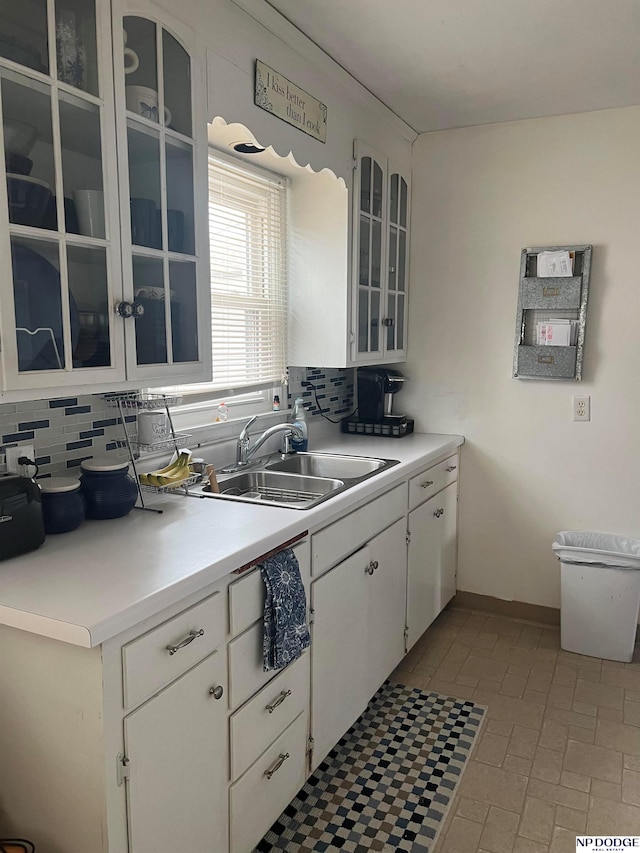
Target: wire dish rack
139, 400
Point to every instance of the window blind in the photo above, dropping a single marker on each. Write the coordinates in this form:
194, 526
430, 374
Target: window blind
247, 234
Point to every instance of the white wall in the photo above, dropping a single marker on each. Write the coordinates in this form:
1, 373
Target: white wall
233, 40
480, 195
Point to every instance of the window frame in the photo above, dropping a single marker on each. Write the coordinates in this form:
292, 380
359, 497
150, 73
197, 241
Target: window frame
199, 405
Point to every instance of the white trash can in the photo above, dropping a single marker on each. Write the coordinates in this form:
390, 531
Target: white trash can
600, 593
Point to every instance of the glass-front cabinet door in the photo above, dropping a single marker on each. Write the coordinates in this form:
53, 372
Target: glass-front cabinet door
164, 243
61, 268
380, 271
369, 239
395, 319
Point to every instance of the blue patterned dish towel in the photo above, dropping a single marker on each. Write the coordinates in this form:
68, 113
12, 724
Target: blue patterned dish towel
286, 634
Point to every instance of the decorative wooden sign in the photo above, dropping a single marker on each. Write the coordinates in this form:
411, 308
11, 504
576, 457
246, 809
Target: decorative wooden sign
279, 96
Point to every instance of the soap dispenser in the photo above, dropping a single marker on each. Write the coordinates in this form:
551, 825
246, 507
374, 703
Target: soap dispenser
300, 420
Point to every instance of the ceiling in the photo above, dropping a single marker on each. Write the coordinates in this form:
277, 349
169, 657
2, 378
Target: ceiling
440, 64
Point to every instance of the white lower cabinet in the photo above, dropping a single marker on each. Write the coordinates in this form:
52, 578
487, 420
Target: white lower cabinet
338, 652
172, 737
431, 577
386, 603
358, 634
177, 752
258, 797
260, 721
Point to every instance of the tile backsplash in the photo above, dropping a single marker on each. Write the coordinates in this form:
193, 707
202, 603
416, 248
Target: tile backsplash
66, 431
325, 391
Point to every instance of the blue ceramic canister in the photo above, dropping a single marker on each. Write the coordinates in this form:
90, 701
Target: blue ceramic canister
62, 504
108, 490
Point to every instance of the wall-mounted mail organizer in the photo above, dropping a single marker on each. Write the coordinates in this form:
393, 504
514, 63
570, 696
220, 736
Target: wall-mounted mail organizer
552, 312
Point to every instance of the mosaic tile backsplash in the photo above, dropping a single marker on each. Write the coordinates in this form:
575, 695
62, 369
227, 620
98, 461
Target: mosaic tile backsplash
66, 431
325, 391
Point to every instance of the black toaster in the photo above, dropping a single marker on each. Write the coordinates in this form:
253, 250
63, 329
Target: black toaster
21, 524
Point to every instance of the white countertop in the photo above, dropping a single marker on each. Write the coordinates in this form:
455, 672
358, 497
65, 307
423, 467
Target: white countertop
86, 586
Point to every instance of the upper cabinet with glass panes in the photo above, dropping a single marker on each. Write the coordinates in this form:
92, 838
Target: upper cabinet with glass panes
61, 270
380, 270
163, 150
69, 316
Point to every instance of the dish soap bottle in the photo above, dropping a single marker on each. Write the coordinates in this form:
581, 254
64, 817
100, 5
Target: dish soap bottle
223, 413
300, 420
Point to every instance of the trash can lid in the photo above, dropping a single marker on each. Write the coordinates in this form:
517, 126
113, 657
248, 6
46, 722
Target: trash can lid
592, 546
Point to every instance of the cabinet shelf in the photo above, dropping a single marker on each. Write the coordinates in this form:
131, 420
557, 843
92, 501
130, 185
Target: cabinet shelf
542, 299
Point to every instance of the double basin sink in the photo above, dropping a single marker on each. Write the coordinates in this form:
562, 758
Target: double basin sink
298, 481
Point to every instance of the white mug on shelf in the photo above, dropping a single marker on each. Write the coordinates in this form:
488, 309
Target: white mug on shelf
153, 426
131, 61
90, 210
144, 101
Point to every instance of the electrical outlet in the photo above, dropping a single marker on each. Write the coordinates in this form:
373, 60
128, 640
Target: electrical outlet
296, 375
582, 408
14, 453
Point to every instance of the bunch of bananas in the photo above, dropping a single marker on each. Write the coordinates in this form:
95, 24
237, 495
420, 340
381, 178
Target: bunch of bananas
172, 475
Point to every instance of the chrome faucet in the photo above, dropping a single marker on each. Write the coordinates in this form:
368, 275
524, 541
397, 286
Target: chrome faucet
245, 450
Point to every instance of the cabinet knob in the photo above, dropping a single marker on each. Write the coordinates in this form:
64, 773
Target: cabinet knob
129, 309
426, 484
375, 565
191, 636
439, 512
279, 762
216, 692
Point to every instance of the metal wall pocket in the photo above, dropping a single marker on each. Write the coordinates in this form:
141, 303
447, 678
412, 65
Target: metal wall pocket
545, 298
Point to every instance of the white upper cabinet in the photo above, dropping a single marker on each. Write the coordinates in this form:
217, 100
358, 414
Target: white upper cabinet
88, 300
60, 257
380, 250
162, 146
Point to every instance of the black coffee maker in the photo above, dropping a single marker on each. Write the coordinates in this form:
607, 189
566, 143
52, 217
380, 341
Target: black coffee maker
377, 387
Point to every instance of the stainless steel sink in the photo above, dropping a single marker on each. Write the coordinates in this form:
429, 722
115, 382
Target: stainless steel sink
298, 481
329, 465
277, 488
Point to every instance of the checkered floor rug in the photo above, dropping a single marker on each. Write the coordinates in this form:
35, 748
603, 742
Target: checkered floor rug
387, 784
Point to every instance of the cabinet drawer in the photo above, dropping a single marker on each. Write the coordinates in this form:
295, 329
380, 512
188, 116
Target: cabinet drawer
340, 539
256, 799
431, 481
246, 595
246, 675
267, 715
148, 664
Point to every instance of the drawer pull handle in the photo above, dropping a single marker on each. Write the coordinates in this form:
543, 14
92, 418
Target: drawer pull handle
192, 636
439, 512
277, 702
280, 761
451, 468
426, 484
217, 692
